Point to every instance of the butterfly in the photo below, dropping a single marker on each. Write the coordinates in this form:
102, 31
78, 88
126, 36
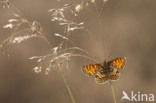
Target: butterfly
108, 70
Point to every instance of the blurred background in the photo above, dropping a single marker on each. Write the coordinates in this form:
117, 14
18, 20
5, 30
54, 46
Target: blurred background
126, 29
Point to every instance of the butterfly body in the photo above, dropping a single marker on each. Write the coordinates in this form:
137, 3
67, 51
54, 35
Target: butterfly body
108, 70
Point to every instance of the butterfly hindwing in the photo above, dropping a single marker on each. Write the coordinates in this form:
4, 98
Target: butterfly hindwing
101, 76
114, 75
91, 69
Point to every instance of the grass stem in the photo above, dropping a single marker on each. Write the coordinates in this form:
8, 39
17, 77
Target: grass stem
113, 92
67, 85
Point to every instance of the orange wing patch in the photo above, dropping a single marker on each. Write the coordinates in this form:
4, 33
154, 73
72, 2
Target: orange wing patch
91, 69
114, 76
101, 80
118, 63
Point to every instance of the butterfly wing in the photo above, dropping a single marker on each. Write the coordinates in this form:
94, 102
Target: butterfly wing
91, 69
114, 75
115, 66
101, 76
117, 63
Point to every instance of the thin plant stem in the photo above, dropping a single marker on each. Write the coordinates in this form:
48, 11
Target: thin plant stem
113, 92
100, 13
64, 79
100, 24
67, 85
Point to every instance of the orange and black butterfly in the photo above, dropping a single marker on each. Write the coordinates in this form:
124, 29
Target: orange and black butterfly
106, 71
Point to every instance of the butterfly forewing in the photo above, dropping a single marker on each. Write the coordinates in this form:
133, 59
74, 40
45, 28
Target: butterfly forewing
117, 63
91, 69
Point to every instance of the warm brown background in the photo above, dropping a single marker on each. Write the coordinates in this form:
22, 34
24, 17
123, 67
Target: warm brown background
128, 29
